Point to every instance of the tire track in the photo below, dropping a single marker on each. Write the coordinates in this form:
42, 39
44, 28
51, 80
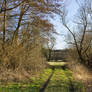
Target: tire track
42, 89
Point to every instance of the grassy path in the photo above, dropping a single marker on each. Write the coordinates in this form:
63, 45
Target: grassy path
60, 81
33, 86
42, 89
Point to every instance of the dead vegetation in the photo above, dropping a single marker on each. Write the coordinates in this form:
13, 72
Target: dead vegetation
81, 73
24, 30
20, 63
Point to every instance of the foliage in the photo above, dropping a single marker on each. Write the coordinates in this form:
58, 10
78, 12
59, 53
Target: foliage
45, 52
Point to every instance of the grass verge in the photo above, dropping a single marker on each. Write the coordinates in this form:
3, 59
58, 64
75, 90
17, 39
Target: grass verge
33, 86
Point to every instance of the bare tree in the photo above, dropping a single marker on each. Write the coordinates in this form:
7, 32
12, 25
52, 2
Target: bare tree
84, 23
24, 25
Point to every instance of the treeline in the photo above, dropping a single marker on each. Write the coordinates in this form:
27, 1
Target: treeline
56, 55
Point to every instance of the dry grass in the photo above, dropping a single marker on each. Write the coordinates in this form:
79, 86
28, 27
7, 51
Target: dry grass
81, 73
19, 63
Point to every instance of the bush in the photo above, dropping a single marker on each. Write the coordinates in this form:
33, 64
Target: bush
17, 60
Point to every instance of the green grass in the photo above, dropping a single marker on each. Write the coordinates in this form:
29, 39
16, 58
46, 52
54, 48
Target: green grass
57, 63
60, 82
33, 86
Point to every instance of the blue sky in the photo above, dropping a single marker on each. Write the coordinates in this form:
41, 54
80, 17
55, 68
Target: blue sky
60, 40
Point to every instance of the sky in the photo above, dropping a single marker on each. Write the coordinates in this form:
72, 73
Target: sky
72, 7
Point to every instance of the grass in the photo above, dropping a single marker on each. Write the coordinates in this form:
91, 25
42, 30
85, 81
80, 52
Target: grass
57, 63
60, 82
33, 86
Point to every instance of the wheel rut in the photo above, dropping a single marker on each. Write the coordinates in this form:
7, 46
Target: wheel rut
43, 87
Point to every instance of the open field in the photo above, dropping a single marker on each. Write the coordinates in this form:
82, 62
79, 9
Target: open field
57, 63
